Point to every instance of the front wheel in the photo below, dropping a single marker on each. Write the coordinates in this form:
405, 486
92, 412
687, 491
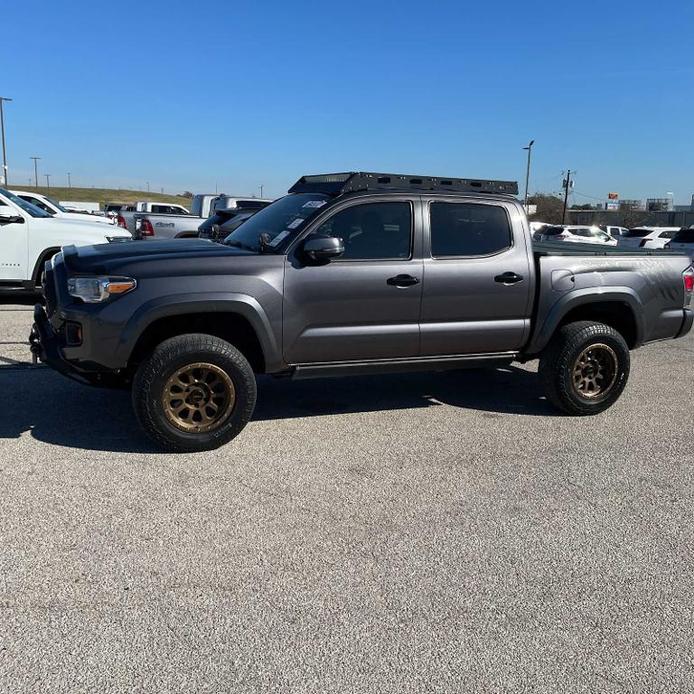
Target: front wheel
195, 393
585, 368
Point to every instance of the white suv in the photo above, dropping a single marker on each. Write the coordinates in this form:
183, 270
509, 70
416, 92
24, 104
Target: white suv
683, 242
576, 234
29, 237
648, 237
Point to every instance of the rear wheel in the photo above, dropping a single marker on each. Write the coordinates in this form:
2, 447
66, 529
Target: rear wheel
195, 393
585, 368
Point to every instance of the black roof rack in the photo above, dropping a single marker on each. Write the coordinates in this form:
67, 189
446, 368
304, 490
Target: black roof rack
341, 183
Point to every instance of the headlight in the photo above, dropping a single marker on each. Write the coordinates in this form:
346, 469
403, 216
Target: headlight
93, 290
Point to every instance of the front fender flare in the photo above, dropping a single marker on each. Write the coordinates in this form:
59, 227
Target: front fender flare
205, 302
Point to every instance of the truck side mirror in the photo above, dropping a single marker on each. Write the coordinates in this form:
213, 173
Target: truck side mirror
323, 249
9, 218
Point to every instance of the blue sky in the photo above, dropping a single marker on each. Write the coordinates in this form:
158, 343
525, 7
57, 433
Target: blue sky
237, 94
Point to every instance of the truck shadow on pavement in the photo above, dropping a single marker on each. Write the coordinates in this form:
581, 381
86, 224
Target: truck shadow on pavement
61, 412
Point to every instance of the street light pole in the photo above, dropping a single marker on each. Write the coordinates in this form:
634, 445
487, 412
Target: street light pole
567, 185
2, 131
529, 148
36, 171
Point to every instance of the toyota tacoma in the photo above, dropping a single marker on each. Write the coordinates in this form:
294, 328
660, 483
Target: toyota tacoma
354, 273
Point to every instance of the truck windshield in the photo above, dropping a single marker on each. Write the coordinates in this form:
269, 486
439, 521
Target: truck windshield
277, 223
55, 203
23, 204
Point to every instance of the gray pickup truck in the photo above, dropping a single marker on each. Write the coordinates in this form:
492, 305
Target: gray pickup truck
354, 273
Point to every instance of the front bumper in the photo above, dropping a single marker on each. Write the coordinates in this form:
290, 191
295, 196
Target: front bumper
45, 346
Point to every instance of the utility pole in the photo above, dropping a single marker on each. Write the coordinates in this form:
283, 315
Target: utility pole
529, 148
2, 130
567, 185
36, 171
69, 183
48, 181
148, 186
261, 190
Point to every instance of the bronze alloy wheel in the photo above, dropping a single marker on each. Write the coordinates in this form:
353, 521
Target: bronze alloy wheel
595, 372
198, 398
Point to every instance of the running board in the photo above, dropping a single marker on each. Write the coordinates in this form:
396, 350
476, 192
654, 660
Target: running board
380, 366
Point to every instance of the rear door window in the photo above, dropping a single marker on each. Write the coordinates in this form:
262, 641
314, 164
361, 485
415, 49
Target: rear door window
468, 229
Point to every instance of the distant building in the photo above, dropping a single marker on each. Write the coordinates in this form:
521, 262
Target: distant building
659, 204
631, 205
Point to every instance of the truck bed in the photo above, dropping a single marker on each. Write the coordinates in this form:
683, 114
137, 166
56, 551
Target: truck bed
645, 286
547, 248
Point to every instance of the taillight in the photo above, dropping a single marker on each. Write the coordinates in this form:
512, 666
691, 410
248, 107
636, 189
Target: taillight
146, 228
688, 279
121, 221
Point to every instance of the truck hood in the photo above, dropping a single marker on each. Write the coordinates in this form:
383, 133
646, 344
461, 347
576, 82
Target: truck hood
110, 258
80, 232
79, 217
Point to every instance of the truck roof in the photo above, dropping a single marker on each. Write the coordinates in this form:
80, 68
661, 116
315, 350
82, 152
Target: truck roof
359, 181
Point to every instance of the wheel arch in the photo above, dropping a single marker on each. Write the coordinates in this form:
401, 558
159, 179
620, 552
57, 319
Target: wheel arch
240, 321
45, 255
621, 310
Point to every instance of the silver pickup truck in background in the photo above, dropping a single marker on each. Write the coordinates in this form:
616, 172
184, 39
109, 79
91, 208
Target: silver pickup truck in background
161, 223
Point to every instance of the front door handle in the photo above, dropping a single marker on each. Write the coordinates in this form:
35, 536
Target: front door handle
508, 278
402, 281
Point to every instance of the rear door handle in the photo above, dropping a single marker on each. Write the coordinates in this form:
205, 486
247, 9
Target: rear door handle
508, 278
402, 281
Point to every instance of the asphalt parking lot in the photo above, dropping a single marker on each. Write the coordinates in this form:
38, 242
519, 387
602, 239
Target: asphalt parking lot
419, 533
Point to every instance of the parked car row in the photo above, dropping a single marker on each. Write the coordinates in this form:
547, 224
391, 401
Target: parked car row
645, 237
155, 221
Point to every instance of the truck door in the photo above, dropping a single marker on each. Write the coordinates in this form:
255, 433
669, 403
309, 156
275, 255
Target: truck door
365, 304
478, 278
14, 244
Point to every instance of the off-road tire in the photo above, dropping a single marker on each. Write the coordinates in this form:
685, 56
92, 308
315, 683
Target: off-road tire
559, 363
150, 383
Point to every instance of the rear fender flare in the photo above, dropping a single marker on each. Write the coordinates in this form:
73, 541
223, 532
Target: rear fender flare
584, 297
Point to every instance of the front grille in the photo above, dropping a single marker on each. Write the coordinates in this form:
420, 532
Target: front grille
48, 287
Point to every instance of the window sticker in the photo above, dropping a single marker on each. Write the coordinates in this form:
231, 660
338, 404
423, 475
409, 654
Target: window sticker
295, 223
279, 238
315, 203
